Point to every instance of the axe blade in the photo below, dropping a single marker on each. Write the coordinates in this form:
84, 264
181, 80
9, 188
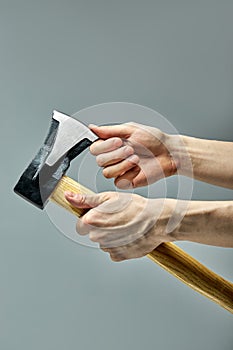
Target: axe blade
66, 139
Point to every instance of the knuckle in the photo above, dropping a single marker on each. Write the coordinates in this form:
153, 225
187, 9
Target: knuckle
82, 198
128, 150
117, 141
104, 249
133, 159
108, 195
92, 218
81, 229
88, 219
132, 124
93, 237
116, 258
117, 255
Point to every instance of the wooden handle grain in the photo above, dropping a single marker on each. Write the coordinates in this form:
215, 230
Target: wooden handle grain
167, 255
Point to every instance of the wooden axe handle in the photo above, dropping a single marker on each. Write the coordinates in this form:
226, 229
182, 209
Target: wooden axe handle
168, 255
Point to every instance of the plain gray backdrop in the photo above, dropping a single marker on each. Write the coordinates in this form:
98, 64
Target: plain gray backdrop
173, 56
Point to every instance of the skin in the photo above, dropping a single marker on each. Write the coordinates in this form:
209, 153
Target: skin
130, 226
135, 155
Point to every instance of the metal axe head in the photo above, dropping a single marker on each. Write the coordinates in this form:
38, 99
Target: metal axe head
67, 137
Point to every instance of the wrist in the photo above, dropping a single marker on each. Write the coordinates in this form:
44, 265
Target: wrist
160, 231
181, 153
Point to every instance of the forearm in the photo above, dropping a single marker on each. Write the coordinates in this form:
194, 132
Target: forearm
212, 161
206, 222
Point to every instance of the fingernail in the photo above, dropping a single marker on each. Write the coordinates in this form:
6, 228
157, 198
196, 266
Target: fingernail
124, 184
69, 193
133, 159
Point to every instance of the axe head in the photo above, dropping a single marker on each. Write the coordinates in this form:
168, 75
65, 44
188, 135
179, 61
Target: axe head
67, 138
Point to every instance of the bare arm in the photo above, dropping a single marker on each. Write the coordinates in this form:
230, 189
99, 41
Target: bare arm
130, 226
207, 222
212, 161
137, 155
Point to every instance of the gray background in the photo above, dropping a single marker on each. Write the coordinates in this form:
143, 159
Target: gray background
173, 56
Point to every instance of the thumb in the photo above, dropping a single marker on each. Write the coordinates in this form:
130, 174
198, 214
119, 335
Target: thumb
80, 200
105, 132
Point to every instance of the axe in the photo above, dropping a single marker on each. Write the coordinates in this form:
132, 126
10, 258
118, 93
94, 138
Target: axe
44, 179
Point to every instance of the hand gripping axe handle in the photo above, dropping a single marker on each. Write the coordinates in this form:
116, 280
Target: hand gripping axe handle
44, 179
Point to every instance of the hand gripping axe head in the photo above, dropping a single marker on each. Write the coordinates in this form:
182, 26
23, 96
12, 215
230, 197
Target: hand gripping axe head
66, 139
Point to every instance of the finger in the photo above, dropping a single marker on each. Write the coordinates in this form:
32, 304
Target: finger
117, 258
112, 251
115, 156
118, 254
125, 181
142, 175
103, 146
82, 228
103, 248
86, 200
97, 235
104, 132
120, 168
127, 252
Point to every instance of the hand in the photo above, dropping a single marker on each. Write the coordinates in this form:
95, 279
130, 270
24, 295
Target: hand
134, 154
125, 225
